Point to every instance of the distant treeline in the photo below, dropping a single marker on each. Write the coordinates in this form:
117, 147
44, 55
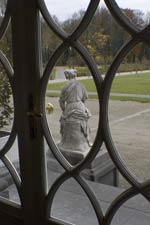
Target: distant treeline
103, 38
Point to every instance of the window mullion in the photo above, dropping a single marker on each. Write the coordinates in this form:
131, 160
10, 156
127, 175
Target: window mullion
26, 55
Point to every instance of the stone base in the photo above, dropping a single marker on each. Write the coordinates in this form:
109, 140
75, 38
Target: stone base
101, 170
73, 157
6, 180
3, 188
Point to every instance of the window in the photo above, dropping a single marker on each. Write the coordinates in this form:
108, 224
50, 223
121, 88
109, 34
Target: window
28, 84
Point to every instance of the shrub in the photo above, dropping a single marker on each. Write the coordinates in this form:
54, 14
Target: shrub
5, 102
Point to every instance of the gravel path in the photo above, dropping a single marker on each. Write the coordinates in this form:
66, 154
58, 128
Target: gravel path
130, 130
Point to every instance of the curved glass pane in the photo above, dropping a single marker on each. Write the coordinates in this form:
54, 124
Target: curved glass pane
72, 114
129, 108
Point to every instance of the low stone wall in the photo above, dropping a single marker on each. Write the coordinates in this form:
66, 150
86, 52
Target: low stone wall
5, 177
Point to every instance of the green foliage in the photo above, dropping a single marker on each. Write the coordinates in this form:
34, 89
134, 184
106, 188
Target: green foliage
124, 67
5, 89
53, 94
5, 105
5, 42
56, 86
82, 71
103, 38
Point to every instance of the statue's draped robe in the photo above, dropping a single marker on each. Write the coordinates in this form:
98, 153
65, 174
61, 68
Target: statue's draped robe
74, 119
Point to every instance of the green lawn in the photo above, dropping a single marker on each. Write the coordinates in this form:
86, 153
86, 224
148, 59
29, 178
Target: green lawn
56, 86
132, 84
133, 99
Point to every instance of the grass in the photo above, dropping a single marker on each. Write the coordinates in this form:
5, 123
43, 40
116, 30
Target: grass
129, 84
52, 94
132, 84
89, 85
56, 86
133, 99
120, 98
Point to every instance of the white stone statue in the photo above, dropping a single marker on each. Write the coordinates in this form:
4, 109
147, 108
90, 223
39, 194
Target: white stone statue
74, 126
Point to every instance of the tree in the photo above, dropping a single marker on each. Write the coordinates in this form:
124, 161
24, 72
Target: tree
50, 40
5, 104
5, 89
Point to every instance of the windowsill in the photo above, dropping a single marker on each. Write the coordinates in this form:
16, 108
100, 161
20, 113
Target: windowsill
72, 205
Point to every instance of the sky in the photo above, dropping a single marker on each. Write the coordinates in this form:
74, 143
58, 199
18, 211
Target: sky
64, 9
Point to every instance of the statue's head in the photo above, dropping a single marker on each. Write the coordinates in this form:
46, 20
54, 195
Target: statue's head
70, 74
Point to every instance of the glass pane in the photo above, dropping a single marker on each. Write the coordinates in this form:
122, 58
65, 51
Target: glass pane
129, 111
72, 115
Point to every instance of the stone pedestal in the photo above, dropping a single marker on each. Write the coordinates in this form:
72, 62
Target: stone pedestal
74, 137
3, 188
101, 170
